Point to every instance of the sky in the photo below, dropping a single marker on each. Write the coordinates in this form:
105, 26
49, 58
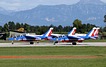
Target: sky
18, 5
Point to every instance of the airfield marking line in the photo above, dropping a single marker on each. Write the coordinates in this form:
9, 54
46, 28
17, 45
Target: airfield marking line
47, 57
51, 44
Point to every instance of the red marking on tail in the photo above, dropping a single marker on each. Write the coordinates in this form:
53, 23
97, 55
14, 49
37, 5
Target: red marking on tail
93, 33
97, 32
50, 33
74, 32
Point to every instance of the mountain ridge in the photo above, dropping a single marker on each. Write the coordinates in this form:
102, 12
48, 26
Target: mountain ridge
61, 14
96, 2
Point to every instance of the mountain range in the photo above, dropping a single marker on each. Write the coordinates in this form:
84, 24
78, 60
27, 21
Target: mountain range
88, 11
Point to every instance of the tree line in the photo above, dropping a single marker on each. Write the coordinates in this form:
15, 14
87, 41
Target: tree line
81, 28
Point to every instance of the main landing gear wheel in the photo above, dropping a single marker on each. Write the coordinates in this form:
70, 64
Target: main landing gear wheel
55, 42
31, 42
74, 43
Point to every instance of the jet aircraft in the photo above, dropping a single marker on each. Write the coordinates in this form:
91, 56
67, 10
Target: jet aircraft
73, 38
31, 38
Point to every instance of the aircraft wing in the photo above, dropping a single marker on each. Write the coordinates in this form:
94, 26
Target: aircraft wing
57, 35
71, 38
32, 37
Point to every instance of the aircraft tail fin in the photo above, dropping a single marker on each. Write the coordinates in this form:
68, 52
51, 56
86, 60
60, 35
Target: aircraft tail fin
96, 32
72, 32
91, 33
48, 33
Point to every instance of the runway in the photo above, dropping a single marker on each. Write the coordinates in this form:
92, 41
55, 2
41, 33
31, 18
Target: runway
26, 44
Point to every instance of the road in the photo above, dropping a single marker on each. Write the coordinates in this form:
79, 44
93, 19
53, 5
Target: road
51, 44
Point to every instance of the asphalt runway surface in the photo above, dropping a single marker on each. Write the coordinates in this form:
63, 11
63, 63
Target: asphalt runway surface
26, 44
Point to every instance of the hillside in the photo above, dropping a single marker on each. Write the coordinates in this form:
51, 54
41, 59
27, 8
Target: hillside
89, 11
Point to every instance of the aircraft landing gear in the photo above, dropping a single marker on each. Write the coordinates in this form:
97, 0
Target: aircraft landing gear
37, 41
55, 42
31, 42
74, 43
12, 42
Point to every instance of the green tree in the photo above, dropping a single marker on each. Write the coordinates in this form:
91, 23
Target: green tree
11, 25
37, 29
67, 28
27, 27
89, 27
55, 29
1, 28
32, 29
78, 24
84, 28
43, 29
104, 29
18, 25
6, 28
60, 28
